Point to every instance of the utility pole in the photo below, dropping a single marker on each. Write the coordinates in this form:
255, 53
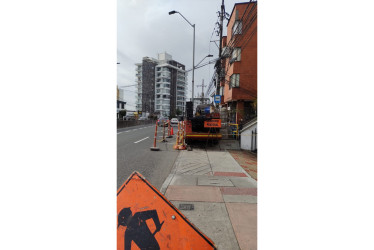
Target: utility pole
219, 66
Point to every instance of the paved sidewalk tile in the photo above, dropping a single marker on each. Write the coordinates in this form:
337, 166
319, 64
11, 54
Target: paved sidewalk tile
240, 198
213, 220
192, 163
229, 174
239, 191
184, 180
223, 162
194, 193
214, 181
247, 160
244, 221
243, 182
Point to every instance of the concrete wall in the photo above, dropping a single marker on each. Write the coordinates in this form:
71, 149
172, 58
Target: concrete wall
125, 124
246, 138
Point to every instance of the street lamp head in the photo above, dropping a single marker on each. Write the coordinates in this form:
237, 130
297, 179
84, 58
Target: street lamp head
172, 12
209, 56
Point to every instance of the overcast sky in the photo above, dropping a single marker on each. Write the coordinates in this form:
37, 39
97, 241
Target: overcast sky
145, 29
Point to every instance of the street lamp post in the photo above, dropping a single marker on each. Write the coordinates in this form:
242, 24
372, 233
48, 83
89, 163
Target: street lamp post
203, 60
193, 53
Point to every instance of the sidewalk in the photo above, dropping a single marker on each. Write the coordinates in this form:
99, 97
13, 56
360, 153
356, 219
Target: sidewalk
247, 161
217, 195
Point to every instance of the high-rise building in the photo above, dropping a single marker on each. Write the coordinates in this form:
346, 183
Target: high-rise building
162, 86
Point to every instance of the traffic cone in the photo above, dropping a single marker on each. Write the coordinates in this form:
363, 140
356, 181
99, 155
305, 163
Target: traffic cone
163, 135
176, 145
154, 148
172, 131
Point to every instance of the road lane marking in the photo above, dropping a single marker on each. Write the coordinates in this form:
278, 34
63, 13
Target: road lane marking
141, 139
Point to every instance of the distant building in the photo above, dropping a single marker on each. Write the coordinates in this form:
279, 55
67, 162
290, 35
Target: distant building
121, 94
200, 100
121, 104
145, 78
238, 79
162, 87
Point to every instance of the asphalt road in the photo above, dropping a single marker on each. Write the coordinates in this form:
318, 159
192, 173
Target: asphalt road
134, 154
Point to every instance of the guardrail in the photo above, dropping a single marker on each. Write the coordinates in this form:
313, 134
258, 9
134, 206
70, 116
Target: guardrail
125, 124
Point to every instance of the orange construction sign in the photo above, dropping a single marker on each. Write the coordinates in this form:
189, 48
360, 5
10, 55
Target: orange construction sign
214, 123
147, 220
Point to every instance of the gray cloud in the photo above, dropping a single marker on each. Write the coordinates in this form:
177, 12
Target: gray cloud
145, 28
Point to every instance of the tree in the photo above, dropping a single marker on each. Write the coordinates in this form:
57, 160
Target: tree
178, 111
122, 113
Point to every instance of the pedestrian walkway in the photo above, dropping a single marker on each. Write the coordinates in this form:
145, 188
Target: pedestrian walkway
247, 160
217, 195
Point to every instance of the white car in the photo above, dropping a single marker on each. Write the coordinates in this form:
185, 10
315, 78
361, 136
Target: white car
174, 121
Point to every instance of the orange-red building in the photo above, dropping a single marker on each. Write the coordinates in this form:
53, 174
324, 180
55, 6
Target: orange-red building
239, 66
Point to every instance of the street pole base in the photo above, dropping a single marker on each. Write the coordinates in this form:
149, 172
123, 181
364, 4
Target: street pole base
170, 136
155, 149
164, 140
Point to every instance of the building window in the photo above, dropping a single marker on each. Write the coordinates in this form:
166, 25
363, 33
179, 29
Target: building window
226, 51
236, 53
237, 28
157, 85
234, 81
158, 96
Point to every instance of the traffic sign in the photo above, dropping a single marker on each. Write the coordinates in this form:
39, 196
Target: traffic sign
214, 123
217, 98
147, 220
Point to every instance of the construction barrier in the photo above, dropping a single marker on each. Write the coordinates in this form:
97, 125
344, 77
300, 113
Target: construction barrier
182, 145
178, 137
163, 134
169, 131
154, 148
235, 129
180, 141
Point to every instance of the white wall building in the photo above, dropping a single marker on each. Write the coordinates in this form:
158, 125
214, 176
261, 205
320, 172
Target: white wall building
170, 85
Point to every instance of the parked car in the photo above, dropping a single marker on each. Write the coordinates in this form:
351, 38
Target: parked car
174, 121
143, 119
162, 120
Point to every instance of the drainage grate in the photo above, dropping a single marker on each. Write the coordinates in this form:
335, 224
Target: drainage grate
186, 207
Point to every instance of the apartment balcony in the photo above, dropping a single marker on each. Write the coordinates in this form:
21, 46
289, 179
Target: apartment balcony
162, 91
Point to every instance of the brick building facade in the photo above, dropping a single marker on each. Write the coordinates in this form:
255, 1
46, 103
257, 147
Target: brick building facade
238, 82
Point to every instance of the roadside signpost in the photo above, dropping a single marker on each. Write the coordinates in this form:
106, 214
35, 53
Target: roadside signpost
217, 99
